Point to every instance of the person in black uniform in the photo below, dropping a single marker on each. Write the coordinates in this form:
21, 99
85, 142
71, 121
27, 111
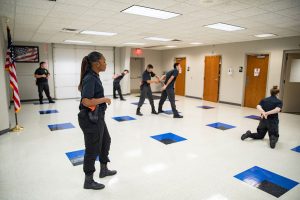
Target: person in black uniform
42, 75
146, 89
269, 109
91, 119
117, 86
168, 90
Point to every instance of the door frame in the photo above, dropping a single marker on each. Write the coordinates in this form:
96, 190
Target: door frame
245, 72
283, 70
220, 75
181, 57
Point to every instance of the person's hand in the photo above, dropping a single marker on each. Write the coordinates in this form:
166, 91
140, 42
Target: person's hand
163, 88
107, 100
264, 115
44, 76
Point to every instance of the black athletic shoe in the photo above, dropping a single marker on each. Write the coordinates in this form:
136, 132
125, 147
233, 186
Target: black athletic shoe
178, 116
273, 141
115, 97
89, 183
41, 102
123, 99
246, 135
51, 101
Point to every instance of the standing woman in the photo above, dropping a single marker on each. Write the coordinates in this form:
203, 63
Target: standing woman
91, 119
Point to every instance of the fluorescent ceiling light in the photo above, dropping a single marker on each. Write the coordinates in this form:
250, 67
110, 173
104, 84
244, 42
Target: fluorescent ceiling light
265, 35
77, 41
134, 43
170, 46
149, 12
224, 27
158, 39
97, 33
196, 43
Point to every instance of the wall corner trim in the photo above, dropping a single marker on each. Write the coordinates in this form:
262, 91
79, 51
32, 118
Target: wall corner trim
193, 97
4, 131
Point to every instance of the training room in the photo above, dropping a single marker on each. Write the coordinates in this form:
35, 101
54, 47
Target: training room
150, 99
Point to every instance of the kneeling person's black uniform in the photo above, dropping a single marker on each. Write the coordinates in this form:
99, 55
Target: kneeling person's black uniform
269, 108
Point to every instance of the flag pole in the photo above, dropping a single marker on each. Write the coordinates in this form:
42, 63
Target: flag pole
17, 128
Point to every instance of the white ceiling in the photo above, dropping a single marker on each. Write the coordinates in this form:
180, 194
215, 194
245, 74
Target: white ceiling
42, 20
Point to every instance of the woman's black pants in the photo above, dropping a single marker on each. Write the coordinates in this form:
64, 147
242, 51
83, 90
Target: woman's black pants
97, 140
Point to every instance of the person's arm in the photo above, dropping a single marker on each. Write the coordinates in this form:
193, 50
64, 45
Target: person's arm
87, 93
116, 76
94, 102
40, 76
163, 78
151, 81
168, 83
274, 111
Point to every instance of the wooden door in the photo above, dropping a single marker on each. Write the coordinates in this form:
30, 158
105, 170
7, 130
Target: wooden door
211, 78
180, 81
256, 79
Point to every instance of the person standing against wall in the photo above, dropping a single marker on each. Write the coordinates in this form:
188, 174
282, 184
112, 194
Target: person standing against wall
145, 89
269, 109
91, 119
42, 75
117, 87
168, 90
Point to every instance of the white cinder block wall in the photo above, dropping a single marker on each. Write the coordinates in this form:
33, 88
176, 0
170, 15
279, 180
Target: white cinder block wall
233, 55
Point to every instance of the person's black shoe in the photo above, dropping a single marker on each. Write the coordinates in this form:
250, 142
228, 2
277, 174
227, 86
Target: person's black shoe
123, 99
273, 141
138, 112
246, 135
160, 111
154, 112
115, 97
41, 102
177, 116
89, 183
106, 172
51, 101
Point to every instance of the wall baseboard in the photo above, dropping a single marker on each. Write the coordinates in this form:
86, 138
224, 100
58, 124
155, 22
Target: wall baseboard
4, 131
193, 97
230, 103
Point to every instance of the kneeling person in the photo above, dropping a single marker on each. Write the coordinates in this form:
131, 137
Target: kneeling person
269, 109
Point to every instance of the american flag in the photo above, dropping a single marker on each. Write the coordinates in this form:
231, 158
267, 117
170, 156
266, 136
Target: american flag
11, 68
26, 54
